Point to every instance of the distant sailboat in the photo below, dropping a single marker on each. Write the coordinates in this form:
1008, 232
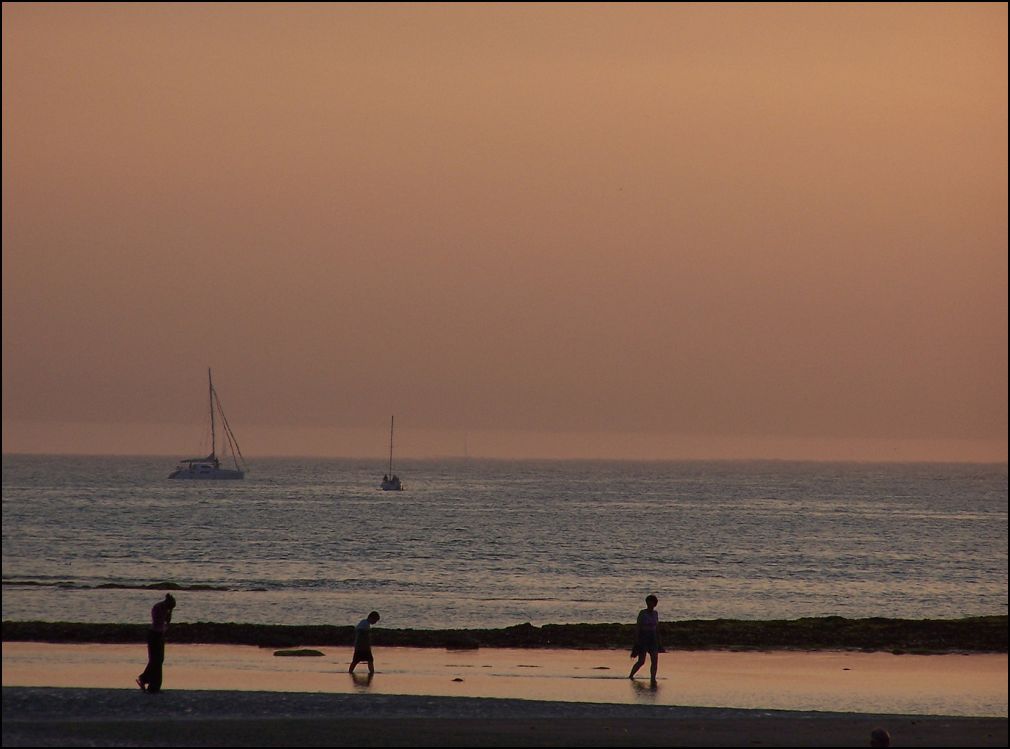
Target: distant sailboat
209, 468
391, 482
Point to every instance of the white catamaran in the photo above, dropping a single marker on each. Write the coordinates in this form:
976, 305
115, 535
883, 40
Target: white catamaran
391, 482
209, 468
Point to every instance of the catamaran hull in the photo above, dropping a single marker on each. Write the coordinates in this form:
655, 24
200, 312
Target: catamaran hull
220, 474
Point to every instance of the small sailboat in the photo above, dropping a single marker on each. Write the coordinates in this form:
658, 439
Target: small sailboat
391, 482
209, 468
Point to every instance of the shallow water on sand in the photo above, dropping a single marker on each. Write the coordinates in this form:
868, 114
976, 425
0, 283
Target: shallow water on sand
968, 685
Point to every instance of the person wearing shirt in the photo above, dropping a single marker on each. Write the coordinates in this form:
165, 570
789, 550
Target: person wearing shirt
161, 615
647, 638
363, 643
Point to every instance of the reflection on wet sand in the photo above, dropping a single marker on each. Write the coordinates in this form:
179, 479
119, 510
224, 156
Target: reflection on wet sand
830, 681
645, 691
362, 681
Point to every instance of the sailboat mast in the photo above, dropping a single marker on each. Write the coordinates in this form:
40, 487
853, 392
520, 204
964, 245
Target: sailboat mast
210, 392
390, 445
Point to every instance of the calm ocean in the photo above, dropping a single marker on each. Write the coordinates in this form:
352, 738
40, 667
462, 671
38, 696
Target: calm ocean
492, 543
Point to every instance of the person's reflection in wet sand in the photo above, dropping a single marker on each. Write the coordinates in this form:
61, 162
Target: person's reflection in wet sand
362, 681
645, 691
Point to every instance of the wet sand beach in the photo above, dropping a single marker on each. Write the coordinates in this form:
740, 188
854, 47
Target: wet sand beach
241, 695
835, 681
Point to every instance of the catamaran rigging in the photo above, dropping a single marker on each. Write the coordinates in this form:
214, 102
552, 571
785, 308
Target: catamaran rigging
210, 466
391, 482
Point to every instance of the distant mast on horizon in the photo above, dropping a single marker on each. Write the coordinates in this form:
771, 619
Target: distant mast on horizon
391, 482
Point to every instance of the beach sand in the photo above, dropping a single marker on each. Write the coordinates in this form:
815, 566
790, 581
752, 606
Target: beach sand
241, 696
34, 716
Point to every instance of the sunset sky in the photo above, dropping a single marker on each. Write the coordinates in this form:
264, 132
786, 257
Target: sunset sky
630, 231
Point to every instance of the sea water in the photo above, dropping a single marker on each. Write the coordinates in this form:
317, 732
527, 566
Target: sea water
480, 543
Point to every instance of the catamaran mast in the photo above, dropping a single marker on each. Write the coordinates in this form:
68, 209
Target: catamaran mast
210, 390
390, 445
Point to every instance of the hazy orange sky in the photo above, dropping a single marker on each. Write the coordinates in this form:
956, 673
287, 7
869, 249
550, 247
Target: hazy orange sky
643, 231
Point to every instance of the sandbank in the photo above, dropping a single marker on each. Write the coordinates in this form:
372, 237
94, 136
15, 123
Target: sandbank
110, 717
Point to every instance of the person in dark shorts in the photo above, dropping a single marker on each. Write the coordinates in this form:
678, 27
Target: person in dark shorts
161, 615
363, 643
647, 638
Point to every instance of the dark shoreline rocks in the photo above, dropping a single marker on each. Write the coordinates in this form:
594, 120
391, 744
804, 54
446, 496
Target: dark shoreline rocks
980, 634
301, 653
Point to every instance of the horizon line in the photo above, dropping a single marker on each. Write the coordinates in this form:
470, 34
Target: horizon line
488, 458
